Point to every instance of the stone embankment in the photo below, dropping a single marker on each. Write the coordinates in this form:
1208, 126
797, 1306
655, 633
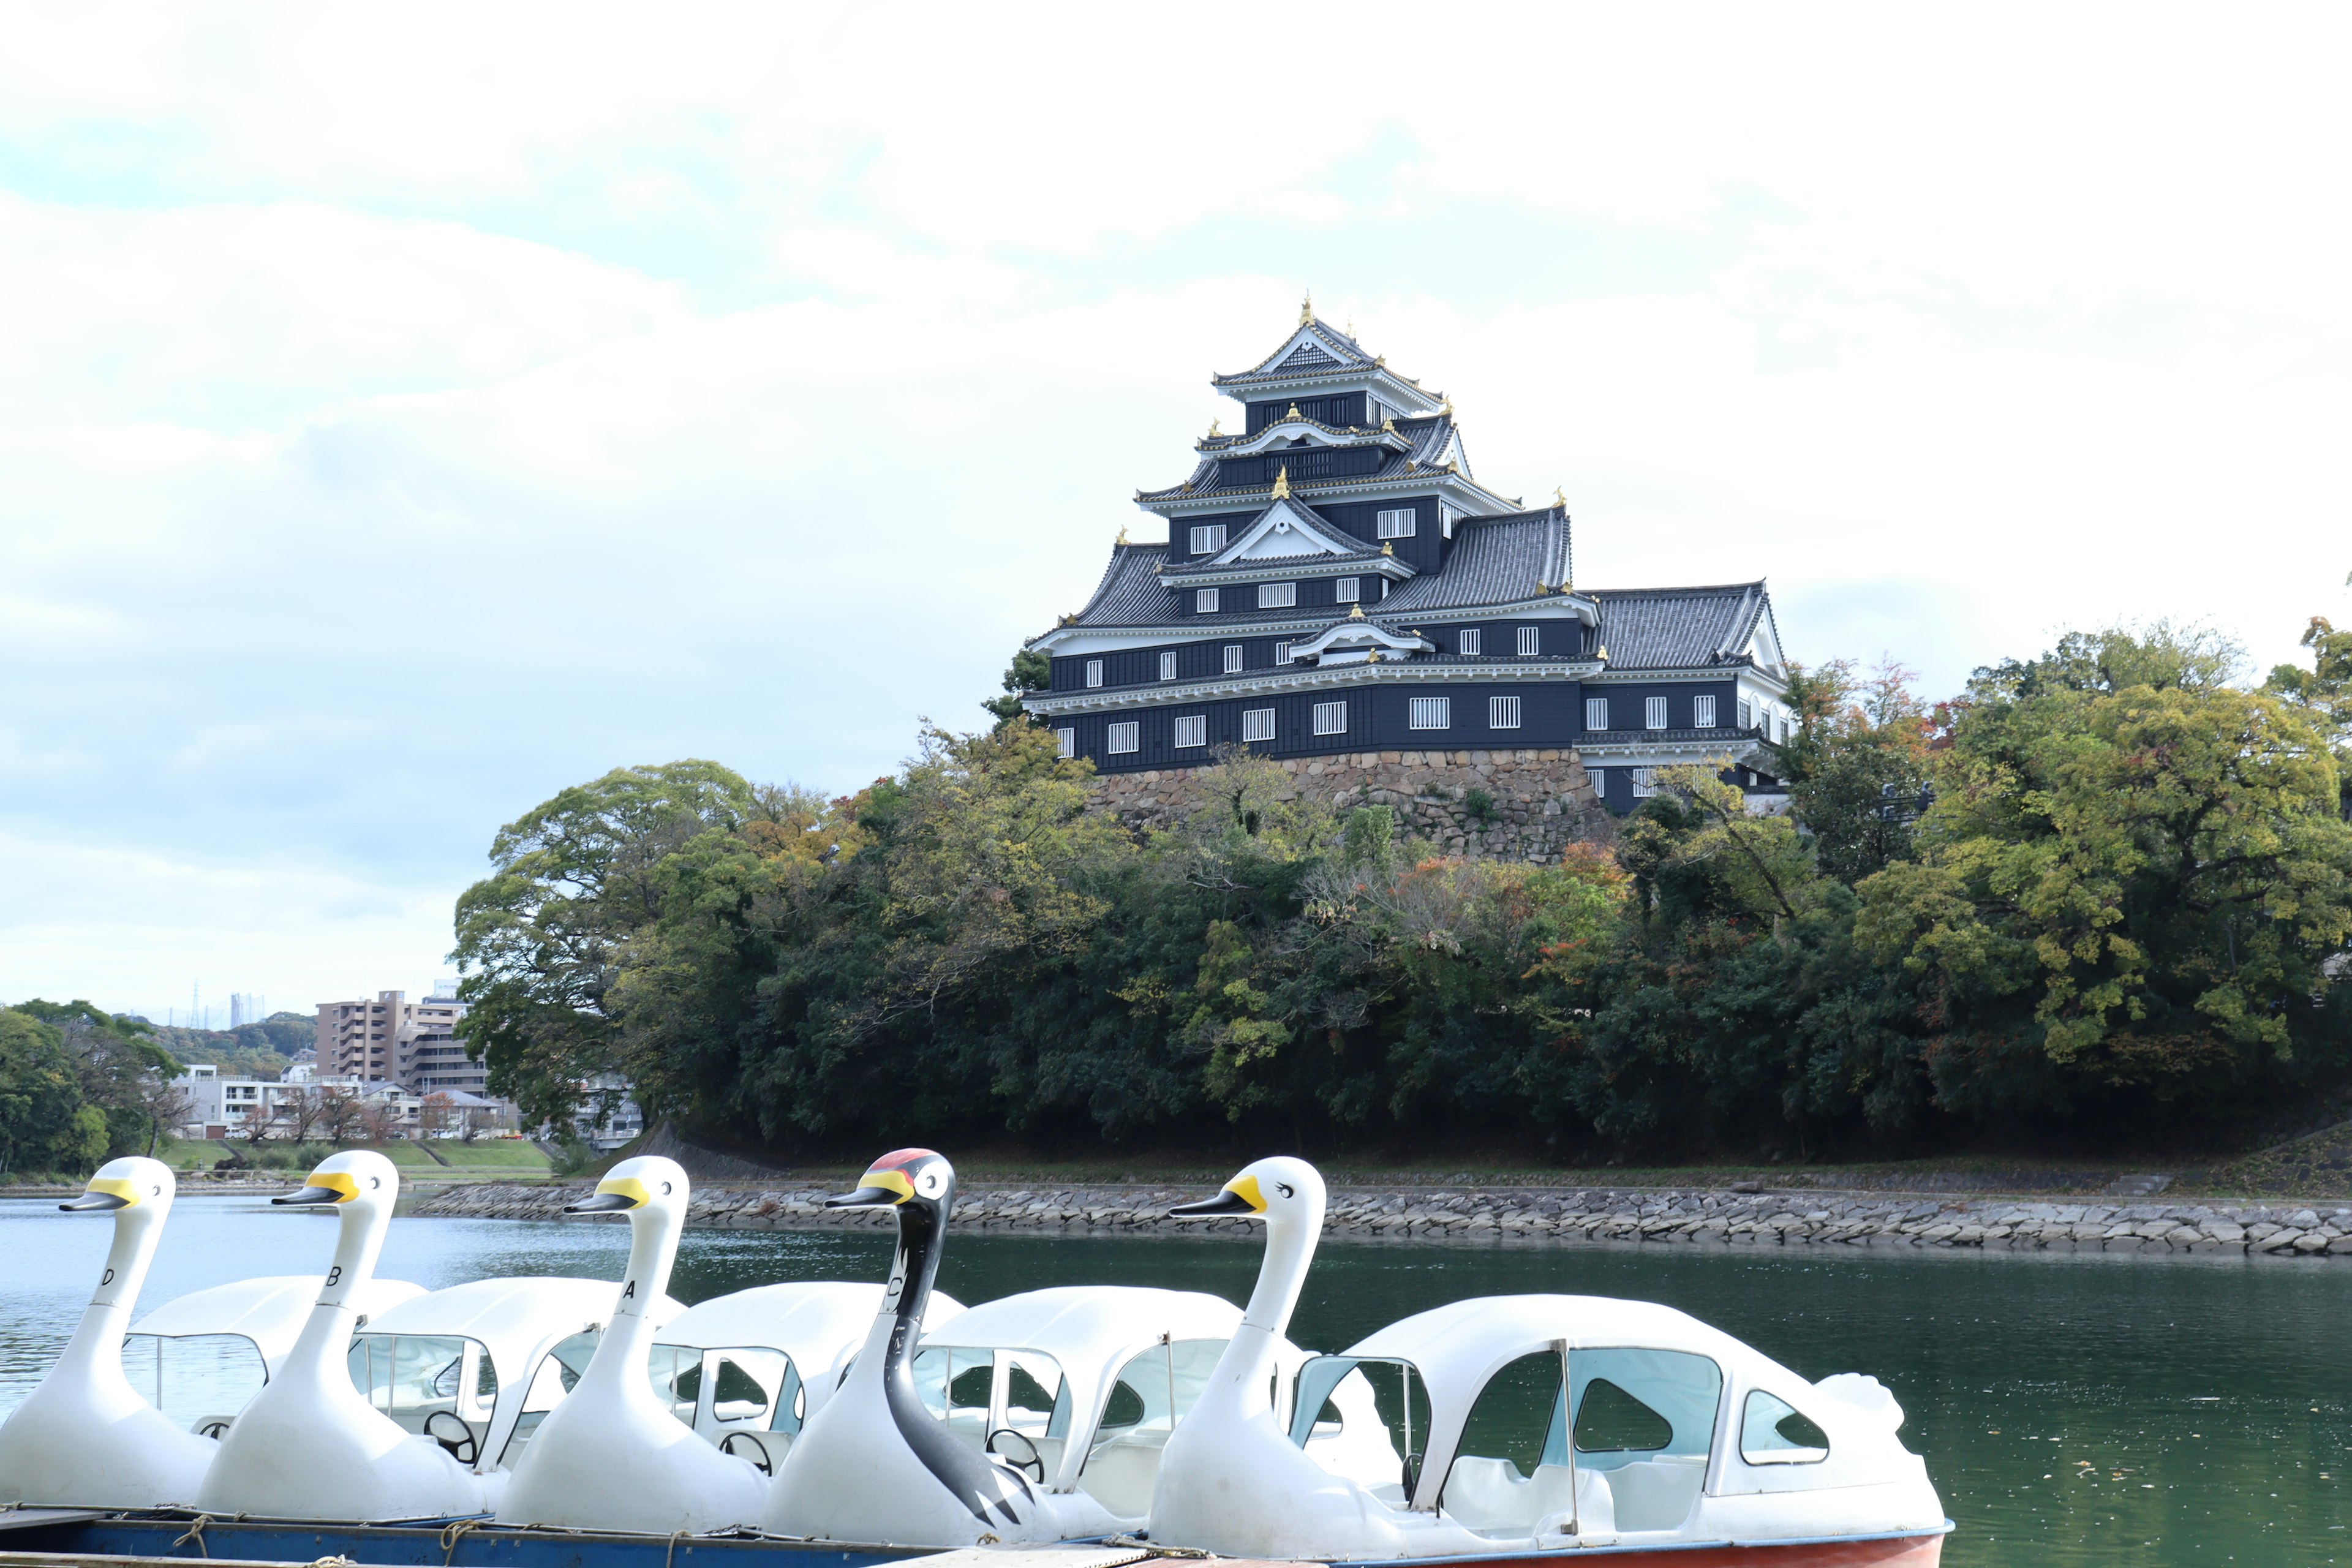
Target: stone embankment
1525, 805
1580, 1215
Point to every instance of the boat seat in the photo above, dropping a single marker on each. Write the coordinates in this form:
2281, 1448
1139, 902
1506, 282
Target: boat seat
1657, 1493
1492, 1498
1119, 1474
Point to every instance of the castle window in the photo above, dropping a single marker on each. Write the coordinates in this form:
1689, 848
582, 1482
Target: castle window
1702, 712
1432, 714
1653, 712
1502, 712
1468, 644
1191, 728
1747, 714
1258, 723
1599, 777
1646, 783
1282, 654
1233, 658
1530, 641
1596, 712
1331, 718
1205, 601
1276, 595
1208, 538
1348, 590
1094, 672
1118, 738
1167, 667
1068, 741
1397, 524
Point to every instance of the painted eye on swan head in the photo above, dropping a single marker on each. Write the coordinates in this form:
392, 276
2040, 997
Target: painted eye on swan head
931, 1183
1286, 1189
665, 1189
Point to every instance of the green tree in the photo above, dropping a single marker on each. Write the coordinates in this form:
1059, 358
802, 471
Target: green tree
1029, 671
543, 938
120, 1068
46, 1124
2133, 877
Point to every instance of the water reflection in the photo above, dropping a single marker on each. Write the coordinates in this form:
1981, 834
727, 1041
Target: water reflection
2073, 1410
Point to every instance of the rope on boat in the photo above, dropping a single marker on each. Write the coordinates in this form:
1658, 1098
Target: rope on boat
451, 1534
670, 1556
196, 1534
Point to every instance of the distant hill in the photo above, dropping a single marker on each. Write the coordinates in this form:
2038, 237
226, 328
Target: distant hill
250, 1050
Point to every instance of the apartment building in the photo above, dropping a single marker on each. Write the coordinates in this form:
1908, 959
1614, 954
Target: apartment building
394, 1040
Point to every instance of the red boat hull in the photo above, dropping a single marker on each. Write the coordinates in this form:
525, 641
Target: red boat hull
1898, 1551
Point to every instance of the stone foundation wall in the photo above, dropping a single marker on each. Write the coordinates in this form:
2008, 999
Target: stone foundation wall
1540, 800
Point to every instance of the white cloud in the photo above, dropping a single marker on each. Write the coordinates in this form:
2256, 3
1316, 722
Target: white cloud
402, 419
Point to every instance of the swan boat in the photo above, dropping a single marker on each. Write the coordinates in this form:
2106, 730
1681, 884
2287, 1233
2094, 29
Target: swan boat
1527, 1429
612, 1455
746, 1370
308, 1445
85, 1436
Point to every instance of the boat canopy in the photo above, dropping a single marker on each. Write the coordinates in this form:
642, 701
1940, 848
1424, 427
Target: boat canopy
270, 1311
1644, 1387
1068, 1375
497, 1354
760, 1359
805, 1320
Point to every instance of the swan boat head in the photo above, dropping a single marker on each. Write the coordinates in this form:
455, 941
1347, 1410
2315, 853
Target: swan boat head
360, 1182
134, 1182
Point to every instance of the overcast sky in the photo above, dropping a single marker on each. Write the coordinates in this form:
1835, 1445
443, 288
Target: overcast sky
408, 412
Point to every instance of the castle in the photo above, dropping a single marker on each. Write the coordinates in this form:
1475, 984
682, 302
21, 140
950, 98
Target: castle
1335, 580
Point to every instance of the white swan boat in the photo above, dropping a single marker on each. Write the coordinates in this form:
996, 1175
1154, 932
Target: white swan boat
85, 1436
746, 1370
612, 1455
309, 1445
476, 1367
1527, 1427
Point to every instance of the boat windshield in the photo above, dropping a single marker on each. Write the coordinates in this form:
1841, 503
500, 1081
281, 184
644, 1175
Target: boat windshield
558, 1371
1642, 1422
1152, 1393
200, 1381
978, 1390
1362, 1414
409, 1377
719, 1391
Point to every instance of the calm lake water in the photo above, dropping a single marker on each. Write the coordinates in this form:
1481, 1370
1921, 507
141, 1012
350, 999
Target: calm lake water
2072, 1409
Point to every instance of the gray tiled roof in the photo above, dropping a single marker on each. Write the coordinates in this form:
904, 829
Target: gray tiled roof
1497, 560
1428, 436
1678, 628
1307, 356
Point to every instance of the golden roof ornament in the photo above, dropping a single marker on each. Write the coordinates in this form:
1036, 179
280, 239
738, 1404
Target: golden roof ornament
1355, 612
1213, 431
1293, 413
1372, 658
1122, 533
1559, 495
1306, 310
1388, 423
1282, 484
1388, 547
1605, 653
1445, 406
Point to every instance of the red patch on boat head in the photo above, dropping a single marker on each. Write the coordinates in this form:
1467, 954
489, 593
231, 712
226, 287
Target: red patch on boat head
900, 1159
